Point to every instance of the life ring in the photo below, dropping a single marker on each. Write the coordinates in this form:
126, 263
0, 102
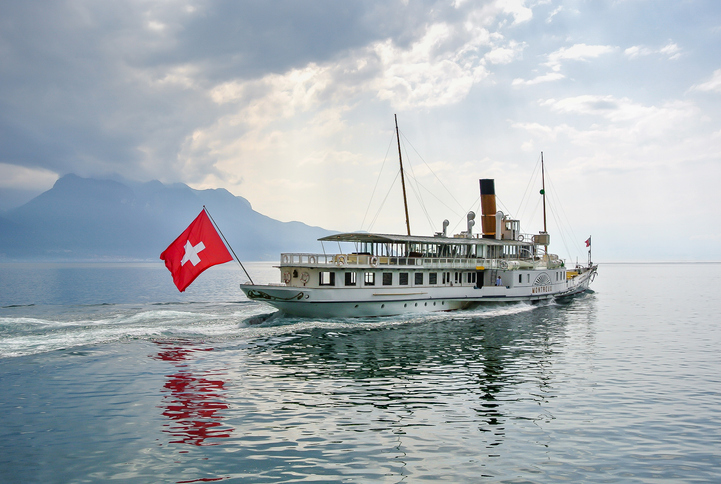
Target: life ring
503, 264
374, 261
520, 238
312, 259
305, 277
340, 260
284, 259
286, 277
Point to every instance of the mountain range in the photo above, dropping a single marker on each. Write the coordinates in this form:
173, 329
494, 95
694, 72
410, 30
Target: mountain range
109, 219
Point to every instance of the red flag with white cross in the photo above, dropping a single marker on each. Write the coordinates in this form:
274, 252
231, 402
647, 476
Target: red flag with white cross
197, 249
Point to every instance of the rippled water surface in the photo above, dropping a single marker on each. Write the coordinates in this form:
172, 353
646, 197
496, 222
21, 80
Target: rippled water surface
106, 372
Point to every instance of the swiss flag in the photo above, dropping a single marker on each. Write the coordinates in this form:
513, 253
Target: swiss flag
198, 248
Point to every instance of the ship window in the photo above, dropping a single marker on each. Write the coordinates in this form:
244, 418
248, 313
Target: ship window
327, 278
471, 278
433, 278
403, 278
419, 279
387, 278
370, 279
295, 273
457, 277
350, 278
520, 278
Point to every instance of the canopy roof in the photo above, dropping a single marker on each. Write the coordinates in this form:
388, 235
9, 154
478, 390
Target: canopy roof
415, 239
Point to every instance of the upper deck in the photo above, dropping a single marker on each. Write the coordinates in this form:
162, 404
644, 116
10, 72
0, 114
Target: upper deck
366, 249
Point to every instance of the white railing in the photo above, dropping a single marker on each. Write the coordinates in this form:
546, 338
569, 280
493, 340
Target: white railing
364, 260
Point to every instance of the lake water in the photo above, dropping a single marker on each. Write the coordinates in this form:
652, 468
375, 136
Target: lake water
108, 373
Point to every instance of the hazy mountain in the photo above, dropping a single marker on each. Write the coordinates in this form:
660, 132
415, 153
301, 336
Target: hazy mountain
85, 218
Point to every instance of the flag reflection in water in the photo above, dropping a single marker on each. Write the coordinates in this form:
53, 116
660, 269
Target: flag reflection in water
194, 402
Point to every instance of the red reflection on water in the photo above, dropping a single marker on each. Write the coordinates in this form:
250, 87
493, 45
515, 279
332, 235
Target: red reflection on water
195, 402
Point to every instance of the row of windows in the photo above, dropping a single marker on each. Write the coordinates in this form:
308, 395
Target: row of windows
327, 278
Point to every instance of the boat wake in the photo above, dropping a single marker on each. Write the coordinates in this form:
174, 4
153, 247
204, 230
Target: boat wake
34, 330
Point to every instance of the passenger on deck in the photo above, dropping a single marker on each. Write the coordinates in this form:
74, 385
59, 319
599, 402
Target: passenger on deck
499, 282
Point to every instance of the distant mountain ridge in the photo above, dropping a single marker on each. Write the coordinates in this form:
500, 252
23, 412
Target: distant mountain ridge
87, 219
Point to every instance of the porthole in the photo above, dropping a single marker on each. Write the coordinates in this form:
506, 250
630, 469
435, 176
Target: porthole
443, 303
416, 304
356, 305
382, 306
405, 305
425, 304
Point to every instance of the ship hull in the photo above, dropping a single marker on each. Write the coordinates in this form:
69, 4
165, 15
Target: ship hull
372, 302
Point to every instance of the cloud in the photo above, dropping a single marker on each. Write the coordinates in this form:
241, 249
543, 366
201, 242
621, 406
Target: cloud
670, 50
548, 77
437, 69
577, 52
24, 178
505, 54
555, 12
517, 8
712, 85
629, 133
427, 74
286, 103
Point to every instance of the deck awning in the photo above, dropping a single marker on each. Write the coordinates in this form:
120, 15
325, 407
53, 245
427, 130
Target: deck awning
415, 239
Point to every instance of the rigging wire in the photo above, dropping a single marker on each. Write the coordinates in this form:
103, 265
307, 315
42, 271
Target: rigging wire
521, 208
535, 209
498, 200
567, 226
416, 186
475, 205
431, 170
554, 215
416, 189
370, 227
439, 200
376, 185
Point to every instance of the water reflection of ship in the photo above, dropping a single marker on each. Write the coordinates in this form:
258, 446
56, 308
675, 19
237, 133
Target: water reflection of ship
502, 362
194, 402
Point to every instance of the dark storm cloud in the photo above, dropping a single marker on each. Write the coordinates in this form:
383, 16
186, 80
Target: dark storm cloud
84, 85
242, 39
65, 90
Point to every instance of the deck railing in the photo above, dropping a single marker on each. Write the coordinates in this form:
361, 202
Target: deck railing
365, 261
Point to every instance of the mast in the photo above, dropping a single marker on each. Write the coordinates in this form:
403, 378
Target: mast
543, 193
403, 180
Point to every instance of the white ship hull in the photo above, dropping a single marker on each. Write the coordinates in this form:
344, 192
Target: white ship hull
378, 301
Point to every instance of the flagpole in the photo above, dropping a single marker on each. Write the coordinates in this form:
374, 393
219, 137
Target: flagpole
589, 251
226, 243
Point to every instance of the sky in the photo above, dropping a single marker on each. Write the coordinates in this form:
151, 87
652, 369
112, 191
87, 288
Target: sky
291, 104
